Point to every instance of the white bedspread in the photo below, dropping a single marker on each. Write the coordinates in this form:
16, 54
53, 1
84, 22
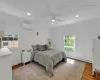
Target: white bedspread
49, 58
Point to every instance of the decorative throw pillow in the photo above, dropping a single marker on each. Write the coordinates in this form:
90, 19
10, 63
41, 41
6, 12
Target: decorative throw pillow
40, 48
34, 47
44, 47
47, 47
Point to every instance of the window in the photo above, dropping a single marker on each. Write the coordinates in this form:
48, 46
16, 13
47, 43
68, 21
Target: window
69, 43
10, 41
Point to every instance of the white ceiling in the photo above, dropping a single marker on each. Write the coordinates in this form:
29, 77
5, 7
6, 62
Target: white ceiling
41, 11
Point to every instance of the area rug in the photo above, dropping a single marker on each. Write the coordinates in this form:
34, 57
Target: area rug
63, 71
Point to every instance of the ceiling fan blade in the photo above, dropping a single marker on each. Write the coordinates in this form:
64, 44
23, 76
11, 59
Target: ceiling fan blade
49, 10
60, 20
27, 21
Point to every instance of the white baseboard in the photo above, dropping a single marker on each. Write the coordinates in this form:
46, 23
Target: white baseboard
79, 59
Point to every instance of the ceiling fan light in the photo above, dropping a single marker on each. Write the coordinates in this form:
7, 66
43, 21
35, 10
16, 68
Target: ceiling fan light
53, 20
77, 15
28, 14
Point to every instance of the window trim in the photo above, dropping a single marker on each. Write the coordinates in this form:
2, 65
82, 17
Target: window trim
8, 41
70, 47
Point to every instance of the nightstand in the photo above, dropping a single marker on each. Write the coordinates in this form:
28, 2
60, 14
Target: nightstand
26, 57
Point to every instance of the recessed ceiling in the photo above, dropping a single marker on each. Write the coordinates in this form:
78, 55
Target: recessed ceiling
40, 11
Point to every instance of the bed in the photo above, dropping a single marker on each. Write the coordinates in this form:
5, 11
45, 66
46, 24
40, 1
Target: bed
49, 58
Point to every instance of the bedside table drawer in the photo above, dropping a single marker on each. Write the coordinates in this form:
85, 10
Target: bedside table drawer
25, 60
26, 57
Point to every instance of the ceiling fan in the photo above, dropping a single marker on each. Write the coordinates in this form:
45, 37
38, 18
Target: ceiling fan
54, 18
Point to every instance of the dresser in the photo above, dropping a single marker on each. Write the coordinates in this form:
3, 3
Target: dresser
26, 57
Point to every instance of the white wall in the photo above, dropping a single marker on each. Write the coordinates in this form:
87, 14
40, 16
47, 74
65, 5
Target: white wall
85, 32
5, 67
26, 39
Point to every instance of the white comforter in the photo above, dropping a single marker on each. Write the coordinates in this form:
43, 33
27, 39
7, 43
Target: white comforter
49, 58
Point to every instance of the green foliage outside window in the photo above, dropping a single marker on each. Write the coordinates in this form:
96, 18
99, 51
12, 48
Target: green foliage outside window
69, 43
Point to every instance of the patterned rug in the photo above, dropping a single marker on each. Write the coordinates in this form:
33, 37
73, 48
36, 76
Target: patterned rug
71, 70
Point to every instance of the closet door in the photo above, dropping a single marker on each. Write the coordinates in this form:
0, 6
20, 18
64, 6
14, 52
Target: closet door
96, 55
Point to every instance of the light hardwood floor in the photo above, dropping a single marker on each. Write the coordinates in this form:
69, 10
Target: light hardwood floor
87, 74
